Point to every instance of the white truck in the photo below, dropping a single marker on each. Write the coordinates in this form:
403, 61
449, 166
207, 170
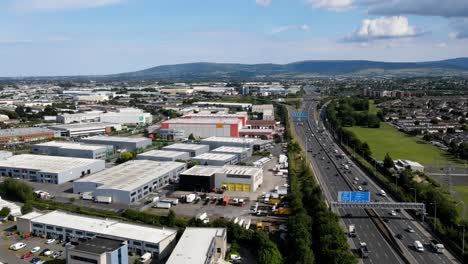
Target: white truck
87, 196
189, 198
145, 257
173, 201
437, 247
351, 230
103, 199
164, 205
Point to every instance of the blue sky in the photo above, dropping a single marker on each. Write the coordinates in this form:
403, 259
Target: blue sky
69, 37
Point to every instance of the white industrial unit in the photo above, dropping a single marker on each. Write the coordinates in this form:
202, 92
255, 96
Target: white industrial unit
131, 181
203, 128
73, 149
85, 129
239, 178
200, 246
66, 226
241, 153
216, 142
216, 159
164, 155
49, 169
127, 143
192, 149
121, 116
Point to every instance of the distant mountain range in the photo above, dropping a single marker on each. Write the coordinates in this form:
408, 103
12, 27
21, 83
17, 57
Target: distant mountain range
303, 69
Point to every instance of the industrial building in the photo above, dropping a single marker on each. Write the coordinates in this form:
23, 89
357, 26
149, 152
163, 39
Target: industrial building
216, 159
49, 169
98, 250
71, 227
203, 128
85, 129
256, 133
267, 111
199, 245
164, 155
403, 164
192, 149
251, 143
239, 115
224, 104
232, 178
121, 143
18, 135
122, 116
131, 181
241, 153
72, 149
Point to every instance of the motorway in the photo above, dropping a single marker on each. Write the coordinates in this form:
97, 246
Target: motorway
330, 172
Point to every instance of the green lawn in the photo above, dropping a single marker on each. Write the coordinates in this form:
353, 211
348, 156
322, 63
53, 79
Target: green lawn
463, 191
372, 108
400, 146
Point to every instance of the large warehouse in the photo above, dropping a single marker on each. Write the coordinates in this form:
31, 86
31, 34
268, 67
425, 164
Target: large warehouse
250, 143
199, 245
241, 153
67, 226
71, 149
127, 143
49, 169
216, 159
239, 115
131, 181
164, 155
232, 178
85, 129
15, 135
192, 149
203, 128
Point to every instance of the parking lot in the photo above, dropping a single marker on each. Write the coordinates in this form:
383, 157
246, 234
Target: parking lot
10, 256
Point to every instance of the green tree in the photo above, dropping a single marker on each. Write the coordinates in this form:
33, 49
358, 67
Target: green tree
16, 190
171, 218
267, 251
26, 208
5, 212
124, 157
388, 161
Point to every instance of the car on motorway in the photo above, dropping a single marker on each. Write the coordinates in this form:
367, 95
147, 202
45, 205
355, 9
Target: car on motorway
35, 250
418, 246
410, 229
400, 236
323, 158
356, 178
50, 241
393, 213
354, 182
382, 193
364, 183
359, 188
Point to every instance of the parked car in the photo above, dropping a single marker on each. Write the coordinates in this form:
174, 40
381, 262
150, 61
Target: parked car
17, 246
35, 260
27, 255
47, 252
35, 250
56, 254
50, 241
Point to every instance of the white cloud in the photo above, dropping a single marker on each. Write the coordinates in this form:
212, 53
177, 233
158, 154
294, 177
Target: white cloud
460, 27
283, 29
55, 5
333, 5
441, 45
383, 28
263, 2
445, 8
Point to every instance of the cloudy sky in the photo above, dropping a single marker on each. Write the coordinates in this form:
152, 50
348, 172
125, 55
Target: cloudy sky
69, 37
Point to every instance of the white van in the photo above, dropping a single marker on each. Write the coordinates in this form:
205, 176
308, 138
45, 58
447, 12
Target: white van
17, 246
145, 257
382, 193
418, 246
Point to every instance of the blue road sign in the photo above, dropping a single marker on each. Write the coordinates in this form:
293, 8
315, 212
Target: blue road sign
299, 114
355, 197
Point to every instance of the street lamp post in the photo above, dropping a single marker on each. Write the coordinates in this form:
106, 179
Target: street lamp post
464, 223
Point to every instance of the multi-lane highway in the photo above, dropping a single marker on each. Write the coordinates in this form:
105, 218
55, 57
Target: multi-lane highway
331, 173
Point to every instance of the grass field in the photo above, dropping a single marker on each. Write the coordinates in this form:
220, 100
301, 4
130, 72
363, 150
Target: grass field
400, 146
372, 108
463, 191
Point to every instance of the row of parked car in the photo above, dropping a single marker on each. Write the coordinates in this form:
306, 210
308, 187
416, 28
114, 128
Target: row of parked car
45, 252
